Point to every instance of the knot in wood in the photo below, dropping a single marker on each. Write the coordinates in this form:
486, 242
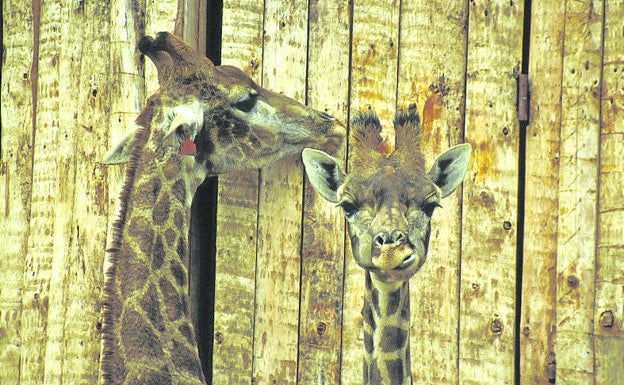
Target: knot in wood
573, 281
607, 319
321, 328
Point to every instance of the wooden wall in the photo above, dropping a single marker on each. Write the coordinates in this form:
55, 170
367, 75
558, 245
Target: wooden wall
525, 278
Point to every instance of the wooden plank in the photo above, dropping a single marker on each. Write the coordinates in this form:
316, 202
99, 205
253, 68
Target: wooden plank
281, 192
578, 184
488, 290
537, 328
609, 309
237, 215
322, 270
374, 45
43, 241
15, 176
432, 75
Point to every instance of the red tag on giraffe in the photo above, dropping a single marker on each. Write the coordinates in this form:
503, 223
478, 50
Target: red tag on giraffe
187, 147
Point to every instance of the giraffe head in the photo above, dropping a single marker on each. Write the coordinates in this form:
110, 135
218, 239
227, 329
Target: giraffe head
388, 200
220, 116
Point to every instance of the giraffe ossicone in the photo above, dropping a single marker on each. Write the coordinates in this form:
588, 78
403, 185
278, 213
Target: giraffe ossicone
388, 200
147, 332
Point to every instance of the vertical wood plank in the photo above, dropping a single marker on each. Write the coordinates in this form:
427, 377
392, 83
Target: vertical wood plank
47, 160
15, 177
279, 222
432, 62
237, 216
578, 176
322, 270
374, 61
488, 266
609, 309
537, 328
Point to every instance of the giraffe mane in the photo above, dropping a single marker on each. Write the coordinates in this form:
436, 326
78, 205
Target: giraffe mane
111, 307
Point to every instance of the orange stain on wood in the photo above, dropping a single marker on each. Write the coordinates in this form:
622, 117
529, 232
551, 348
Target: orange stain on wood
431, 111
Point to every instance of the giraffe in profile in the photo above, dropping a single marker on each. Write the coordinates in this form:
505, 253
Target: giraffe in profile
203, 120
388, 200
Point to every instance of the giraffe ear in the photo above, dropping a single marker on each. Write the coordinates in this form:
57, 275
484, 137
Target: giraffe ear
121, 153
450, 167
324, 173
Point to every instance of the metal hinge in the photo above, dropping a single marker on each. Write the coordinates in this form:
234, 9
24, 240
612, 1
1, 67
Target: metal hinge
523, 97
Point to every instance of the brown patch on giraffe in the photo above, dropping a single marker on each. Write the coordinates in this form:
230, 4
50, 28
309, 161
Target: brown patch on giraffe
185, 359
160, 213
181, 249
392, 339
368, 342
158, 253
135, 273
171, 170
141, 230
179, 273
148, 190
170, 237
139, 340
174, 303
186, 331
367, 314
178, 219
374, 375
150, 304
394, 299
178, 189
395, 371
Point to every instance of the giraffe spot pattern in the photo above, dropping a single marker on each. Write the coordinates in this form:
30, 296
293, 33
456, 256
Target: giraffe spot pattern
139, 339
179, 273
367, 314
394, 299
174, 304
395, 371
132, 272
185, 359
374, 375
160, 213
158, 253
151, 307
186, 331
392, 339
178, 189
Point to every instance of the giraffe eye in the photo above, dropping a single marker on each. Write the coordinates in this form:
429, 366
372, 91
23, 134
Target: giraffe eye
247, 103
349, 208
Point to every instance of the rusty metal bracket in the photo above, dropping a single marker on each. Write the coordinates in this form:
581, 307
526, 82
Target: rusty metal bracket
523, 97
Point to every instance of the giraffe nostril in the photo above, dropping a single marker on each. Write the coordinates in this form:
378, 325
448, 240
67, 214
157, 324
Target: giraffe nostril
385, 238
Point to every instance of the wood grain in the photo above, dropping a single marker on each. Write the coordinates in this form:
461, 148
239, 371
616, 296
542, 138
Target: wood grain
237, 217
537, 328
432, 62
488, 264
578, 185
278, 282
322, 264
609, 307
15, 178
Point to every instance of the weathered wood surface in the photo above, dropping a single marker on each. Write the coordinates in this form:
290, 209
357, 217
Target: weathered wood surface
578, 192
489, 234
609, 306
436, 85
537, 327
288, 294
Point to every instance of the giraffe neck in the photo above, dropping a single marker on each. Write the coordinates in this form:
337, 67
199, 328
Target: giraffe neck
147, 331
386, 333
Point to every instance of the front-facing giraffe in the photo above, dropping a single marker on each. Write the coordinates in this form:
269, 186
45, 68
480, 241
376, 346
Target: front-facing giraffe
226, 122
388, 201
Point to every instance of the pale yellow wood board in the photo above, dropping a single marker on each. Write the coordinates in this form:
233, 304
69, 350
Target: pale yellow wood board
374, 63
280, 204
15, 178
537, 328
578, 185
322, 270
488, 262
609, 307
432, 60
237, 217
